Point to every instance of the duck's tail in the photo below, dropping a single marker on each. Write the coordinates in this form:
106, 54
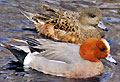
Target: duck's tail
20, 52
41, 18
36, 18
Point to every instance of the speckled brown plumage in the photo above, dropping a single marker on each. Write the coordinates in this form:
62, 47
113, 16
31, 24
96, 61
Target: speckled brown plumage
68, 26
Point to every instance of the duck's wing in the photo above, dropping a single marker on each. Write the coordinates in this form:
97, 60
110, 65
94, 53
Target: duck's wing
35, 17
59, 21
42, 17
60, 28
52, 12
57, 51
37, 60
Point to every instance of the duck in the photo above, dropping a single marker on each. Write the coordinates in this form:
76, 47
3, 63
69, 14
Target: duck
61, 58
68, 26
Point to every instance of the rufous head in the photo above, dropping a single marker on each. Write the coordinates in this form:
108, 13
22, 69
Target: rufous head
94, 48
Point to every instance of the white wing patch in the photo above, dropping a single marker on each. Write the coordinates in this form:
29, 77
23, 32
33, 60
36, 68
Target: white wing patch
58, 61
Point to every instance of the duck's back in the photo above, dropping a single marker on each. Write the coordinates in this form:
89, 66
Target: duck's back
66, 26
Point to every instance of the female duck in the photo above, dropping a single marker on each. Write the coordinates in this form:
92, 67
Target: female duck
69, 26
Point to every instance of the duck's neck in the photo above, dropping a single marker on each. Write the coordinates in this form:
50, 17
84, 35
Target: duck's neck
87, 54
90, 58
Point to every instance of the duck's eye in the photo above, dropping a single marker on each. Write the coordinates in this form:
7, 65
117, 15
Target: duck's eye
102, 49
91, 15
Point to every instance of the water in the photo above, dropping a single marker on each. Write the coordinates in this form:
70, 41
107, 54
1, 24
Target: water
13, 24
111, 19
6, 2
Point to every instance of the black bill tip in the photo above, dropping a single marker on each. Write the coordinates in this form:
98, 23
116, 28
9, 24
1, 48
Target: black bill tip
115, 63
106, 29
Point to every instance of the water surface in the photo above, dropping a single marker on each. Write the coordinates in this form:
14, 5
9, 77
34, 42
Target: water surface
13, 24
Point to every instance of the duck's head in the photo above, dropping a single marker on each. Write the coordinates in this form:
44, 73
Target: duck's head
92, 17
93, 49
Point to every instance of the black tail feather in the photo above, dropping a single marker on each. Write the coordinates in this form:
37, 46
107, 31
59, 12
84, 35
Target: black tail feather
17, 52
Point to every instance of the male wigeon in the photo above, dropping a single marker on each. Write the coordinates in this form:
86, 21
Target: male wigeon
63, 59
69, 26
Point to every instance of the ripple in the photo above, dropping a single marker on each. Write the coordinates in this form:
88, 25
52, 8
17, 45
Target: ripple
105, 76
111, 19
14, 30
26, 22
52, 1
7, 3
3, 39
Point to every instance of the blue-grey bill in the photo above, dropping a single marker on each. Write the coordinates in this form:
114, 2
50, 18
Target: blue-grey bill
110, 58
102, 26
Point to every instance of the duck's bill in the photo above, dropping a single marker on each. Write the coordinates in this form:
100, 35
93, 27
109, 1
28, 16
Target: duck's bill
110, 58
102, 26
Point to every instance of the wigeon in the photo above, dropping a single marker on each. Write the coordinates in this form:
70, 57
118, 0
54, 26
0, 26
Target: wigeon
63, 59
69, 26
